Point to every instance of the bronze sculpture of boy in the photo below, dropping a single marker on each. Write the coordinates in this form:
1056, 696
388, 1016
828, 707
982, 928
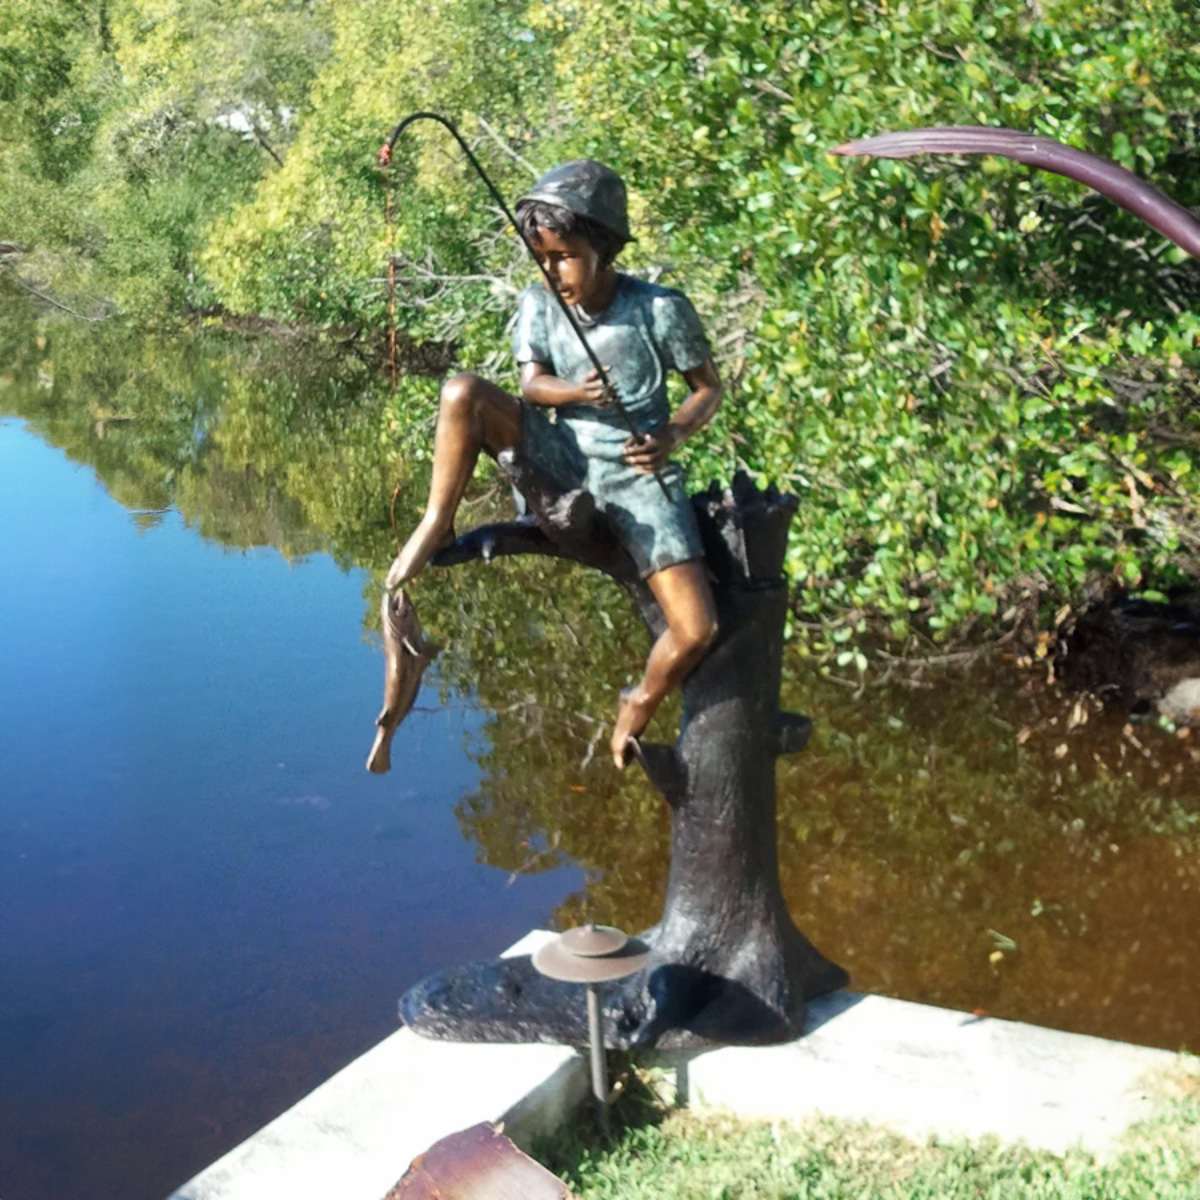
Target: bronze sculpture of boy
575, 219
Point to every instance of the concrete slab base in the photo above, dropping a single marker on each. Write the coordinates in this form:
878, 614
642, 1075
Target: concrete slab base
356, 1135
924, 1070
917, 1069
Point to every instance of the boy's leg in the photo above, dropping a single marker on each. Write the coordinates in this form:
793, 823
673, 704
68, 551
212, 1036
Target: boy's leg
473, 415
686, 599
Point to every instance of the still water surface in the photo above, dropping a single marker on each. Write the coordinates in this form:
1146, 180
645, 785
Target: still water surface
207, 905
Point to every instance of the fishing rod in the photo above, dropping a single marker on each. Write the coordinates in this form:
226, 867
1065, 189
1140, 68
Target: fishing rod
385, 158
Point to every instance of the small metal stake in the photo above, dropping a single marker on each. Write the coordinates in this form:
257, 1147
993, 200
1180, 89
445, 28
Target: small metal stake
599, 1062
593, 954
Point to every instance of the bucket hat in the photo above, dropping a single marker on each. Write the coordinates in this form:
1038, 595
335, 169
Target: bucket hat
588, 189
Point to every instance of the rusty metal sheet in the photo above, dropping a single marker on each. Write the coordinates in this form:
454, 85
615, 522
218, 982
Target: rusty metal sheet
479, 1163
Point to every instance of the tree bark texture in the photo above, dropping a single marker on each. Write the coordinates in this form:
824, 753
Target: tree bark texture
727, 964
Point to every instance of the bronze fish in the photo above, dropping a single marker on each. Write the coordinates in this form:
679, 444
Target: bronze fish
406, 655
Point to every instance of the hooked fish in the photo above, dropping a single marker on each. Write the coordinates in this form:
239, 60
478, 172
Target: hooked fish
406, 655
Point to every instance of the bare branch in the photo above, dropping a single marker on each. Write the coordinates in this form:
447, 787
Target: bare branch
257, 134
953, 658
422, 275
565, 623
56, 303
1033, 384
771, 89
507, 148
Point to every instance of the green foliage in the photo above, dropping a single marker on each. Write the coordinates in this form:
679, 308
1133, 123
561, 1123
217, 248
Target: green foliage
983, 383
977, 380
127, 127
681, 1156
313, 241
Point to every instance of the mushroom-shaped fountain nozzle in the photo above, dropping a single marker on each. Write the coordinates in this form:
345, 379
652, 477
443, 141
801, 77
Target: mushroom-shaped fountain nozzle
591, 941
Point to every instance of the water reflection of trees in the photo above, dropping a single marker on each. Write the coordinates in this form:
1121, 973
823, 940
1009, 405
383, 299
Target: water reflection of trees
254, 444
925, 814
914, 826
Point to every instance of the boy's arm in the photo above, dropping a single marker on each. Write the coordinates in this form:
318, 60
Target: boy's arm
539, 385
652, 451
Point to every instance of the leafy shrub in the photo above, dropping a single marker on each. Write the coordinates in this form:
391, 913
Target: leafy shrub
983, 383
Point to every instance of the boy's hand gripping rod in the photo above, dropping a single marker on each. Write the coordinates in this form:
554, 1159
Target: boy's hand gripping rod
385, 157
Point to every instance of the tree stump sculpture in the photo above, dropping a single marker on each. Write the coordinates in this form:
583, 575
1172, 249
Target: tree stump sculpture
727, 964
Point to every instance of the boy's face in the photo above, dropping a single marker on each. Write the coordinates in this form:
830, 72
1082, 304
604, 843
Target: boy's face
574, 265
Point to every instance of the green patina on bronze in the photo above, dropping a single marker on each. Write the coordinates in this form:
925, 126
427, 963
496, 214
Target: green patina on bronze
588, 189
646, 332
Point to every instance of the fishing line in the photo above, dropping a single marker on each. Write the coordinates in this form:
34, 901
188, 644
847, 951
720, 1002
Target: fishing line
391, 270
389, 224
385, 158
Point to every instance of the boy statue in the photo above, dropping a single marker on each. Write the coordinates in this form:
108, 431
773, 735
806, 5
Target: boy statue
575, 219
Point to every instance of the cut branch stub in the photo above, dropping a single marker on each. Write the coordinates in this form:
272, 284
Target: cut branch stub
665, 770
745, 531
792, 733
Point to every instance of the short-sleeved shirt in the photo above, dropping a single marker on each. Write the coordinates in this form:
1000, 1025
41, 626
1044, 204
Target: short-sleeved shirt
647, 331
644, 333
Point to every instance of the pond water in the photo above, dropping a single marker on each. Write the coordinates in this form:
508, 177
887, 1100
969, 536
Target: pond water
207, 905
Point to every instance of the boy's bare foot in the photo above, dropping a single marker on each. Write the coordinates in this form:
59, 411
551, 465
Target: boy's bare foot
424, 543
632, 718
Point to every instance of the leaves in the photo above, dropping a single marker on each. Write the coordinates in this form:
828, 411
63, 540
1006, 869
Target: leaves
983, 383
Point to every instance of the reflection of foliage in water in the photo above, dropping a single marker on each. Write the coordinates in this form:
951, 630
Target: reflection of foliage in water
926, 814
547, 660
914, 825
921, 817
255, 445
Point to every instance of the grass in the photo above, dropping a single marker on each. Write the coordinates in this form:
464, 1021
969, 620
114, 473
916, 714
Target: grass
660, 1154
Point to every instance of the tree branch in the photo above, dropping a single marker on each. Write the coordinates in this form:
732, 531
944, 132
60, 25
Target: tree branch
517, 158
561, 524
507, 538
664, 768
256, 133
423, 276
57, 303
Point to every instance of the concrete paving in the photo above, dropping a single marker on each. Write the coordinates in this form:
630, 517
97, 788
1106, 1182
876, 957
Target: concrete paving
918, 1069
355, 1135
924, 1070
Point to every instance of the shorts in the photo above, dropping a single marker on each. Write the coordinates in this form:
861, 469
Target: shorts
657, 530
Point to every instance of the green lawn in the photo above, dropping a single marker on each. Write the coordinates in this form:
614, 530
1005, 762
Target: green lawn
661, 1155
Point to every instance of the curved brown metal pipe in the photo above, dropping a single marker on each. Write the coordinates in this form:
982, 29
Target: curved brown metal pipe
1102, 175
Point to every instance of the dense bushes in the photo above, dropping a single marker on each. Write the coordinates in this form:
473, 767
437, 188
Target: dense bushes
983, 383
979, 380
127, 128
